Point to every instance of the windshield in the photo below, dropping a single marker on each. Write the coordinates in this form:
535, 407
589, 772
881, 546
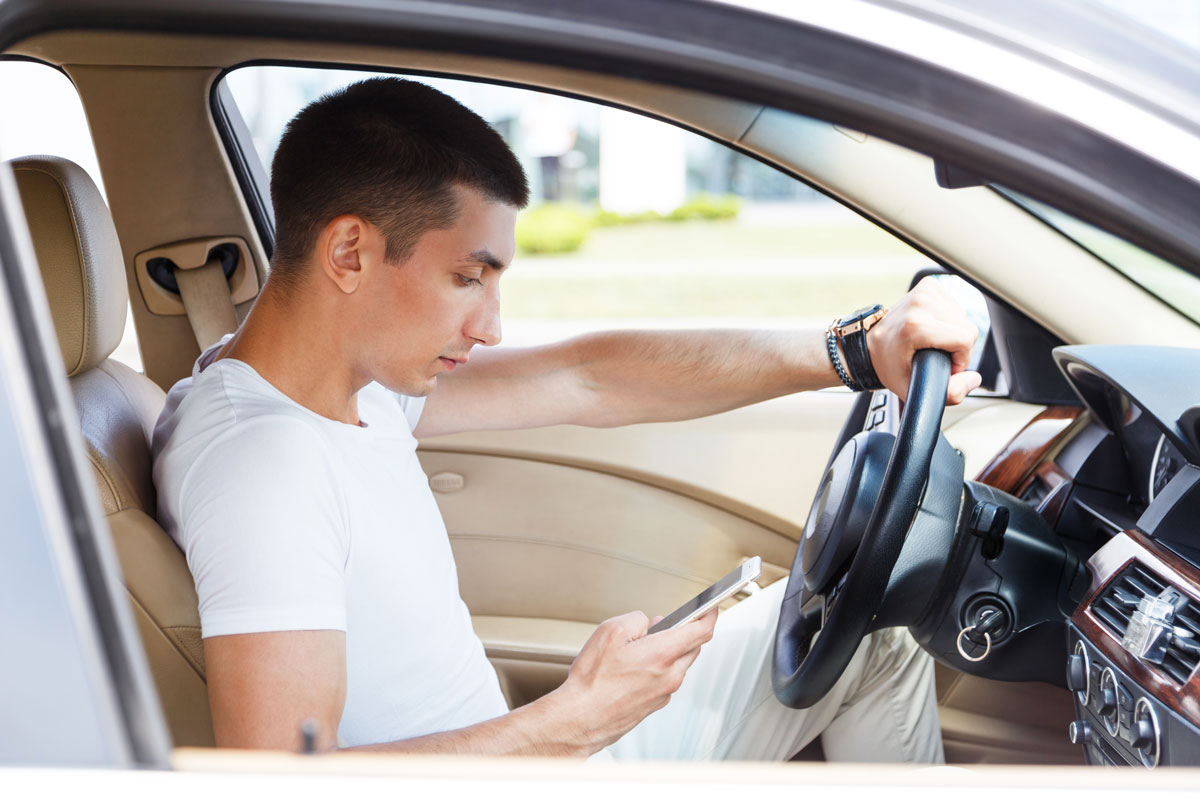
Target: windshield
1179, 21
1173, 285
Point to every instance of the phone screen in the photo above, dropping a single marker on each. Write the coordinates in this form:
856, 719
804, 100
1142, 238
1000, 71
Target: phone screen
711, 596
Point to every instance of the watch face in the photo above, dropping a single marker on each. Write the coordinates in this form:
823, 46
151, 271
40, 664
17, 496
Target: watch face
862, 313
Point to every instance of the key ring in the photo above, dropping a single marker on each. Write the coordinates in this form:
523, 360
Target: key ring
987, 640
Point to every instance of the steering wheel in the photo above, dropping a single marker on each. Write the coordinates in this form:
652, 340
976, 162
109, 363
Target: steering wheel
859, 520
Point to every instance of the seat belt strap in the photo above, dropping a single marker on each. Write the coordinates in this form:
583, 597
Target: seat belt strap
207, 301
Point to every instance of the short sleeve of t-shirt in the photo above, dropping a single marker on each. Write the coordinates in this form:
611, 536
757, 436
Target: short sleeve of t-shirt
412, 406
266, 537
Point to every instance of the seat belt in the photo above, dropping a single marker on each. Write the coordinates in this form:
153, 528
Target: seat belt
199, 271
207, 301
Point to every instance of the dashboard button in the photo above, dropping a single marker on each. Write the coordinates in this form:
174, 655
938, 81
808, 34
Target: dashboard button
1144, 734
1079, 732
1076, 673
1107, 700
1079, 673
1141, 735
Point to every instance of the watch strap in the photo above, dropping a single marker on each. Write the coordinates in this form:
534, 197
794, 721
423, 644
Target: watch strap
858, 360
852, 332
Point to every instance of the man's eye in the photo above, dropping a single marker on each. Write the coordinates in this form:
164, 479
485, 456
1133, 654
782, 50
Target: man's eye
466, 280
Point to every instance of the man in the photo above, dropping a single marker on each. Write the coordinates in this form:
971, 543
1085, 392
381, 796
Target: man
286, 471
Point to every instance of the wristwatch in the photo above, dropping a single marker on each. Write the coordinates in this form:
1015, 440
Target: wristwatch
851, 331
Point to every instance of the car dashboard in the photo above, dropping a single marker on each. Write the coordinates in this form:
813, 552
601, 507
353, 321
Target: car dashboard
1123, 491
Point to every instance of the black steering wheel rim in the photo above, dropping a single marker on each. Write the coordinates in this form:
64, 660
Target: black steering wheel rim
804, 669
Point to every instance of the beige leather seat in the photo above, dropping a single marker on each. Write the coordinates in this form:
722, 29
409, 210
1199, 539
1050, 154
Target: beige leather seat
82, 266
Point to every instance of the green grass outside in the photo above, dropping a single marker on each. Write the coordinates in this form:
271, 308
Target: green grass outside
595, 281
733, 240
704, 296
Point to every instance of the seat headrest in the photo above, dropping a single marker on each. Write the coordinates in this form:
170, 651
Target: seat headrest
79, 256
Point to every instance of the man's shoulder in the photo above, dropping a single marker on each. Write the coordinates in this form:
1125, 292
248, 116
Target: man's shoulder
219, 440
220, 405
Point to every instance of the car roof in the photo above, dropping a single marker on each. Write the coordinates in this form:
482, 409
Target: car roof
1088, 39
1080, 60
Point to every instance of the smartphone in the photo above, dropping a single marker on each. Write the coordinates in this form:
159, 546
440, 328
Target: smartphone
707, 600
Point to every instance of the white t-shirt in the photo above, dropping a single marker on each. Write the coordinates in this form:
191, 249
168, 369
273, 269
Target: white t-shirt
292, 521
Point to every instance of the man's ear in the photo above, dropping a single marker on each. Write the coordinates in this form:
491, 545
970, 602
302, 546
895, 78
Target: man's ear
348, 246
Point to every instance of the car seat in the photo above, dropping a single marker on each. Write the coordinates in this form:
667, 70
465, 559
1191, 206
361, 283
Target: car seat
83, 270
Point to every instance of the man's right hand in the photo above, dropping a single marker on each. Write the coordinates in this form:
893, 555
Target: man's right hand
622, 675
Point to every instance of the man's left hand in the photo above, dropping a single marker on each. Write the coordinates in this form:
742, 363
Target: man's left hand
926, 317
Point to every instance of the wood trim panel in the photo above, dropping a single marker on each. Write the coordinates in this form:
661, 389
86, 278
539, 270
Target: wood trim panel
1015, 464
1060, 484
1109, 560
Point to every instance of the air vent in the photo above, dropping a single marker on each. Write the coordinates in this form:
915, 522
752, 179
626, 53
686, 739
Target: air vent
1116, 604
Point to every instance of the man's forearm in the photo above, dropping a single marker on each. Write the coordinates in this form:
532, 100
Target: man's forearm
655, 376
540, 728
622, 377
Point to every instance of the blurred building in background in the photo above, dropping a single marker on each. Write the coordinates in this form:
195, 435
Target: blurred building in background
573, 151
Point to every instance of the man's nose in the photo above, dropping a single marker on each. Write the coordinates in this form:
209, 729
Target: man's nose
484, 325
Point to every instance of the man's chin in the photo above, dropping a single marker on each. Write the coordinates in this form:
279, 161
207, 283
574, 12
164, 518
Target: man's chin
412, 388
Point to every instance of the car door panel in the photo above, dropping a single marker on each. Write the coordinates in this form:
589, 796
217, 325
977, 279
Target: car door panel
762, 462
534, 539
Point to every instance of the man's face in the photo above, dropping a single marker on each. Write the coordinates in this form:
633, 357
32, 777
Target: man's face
426, 314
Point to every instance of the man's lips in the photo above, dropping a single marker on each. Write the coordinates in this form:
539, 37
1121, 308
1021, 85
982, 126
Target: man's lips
451, 363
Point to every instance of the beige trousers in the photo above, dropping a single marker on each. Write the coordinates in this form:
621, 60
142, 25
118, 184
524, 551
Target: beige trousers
883, 708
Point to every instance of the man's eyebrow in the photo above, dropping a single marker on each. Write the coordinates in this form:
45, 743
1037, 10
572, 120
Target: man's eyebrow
485, 256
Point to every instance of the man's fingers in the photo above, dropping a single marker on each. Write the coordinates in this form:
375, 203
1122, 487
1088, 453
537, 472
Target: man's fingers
632, 625
956, 339
960, 385
686, 637
684, 662
678, 670
699, 630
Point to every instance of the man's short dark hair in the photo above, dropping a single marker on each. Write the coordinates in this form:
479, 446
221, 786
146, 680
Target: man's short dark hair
390, 151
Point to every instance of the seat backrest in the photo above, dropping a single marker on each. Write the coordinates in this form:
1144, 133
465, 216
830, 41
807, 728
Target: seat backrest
82, 268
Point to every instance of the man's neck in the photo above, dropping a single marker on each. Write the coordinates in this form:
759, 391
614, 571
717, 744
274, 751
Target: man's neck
286, 339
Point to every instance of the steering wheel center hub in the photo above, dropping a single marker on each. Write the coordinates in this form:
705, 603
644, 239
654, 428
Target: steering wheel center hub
842, 507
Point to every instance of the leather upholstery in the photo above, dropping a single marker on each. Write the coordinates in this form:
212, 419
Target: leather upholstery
79, 255
164, 604
80, 260
117, 410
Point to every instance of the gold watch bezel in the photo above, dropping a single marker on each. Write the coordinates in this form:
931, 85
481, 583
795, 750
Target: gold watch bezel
865, 324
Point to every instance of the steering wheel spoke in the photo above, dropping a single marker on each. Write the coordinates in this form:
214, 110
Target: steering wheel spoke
812, 605
829, 598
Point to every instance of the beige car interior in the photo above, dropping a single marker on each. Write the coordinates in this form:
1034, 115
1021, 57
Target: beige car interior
80, 260
553, 529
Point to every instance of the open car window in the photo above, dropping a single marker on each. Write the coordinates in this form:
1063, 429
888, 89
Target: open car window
637, 223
